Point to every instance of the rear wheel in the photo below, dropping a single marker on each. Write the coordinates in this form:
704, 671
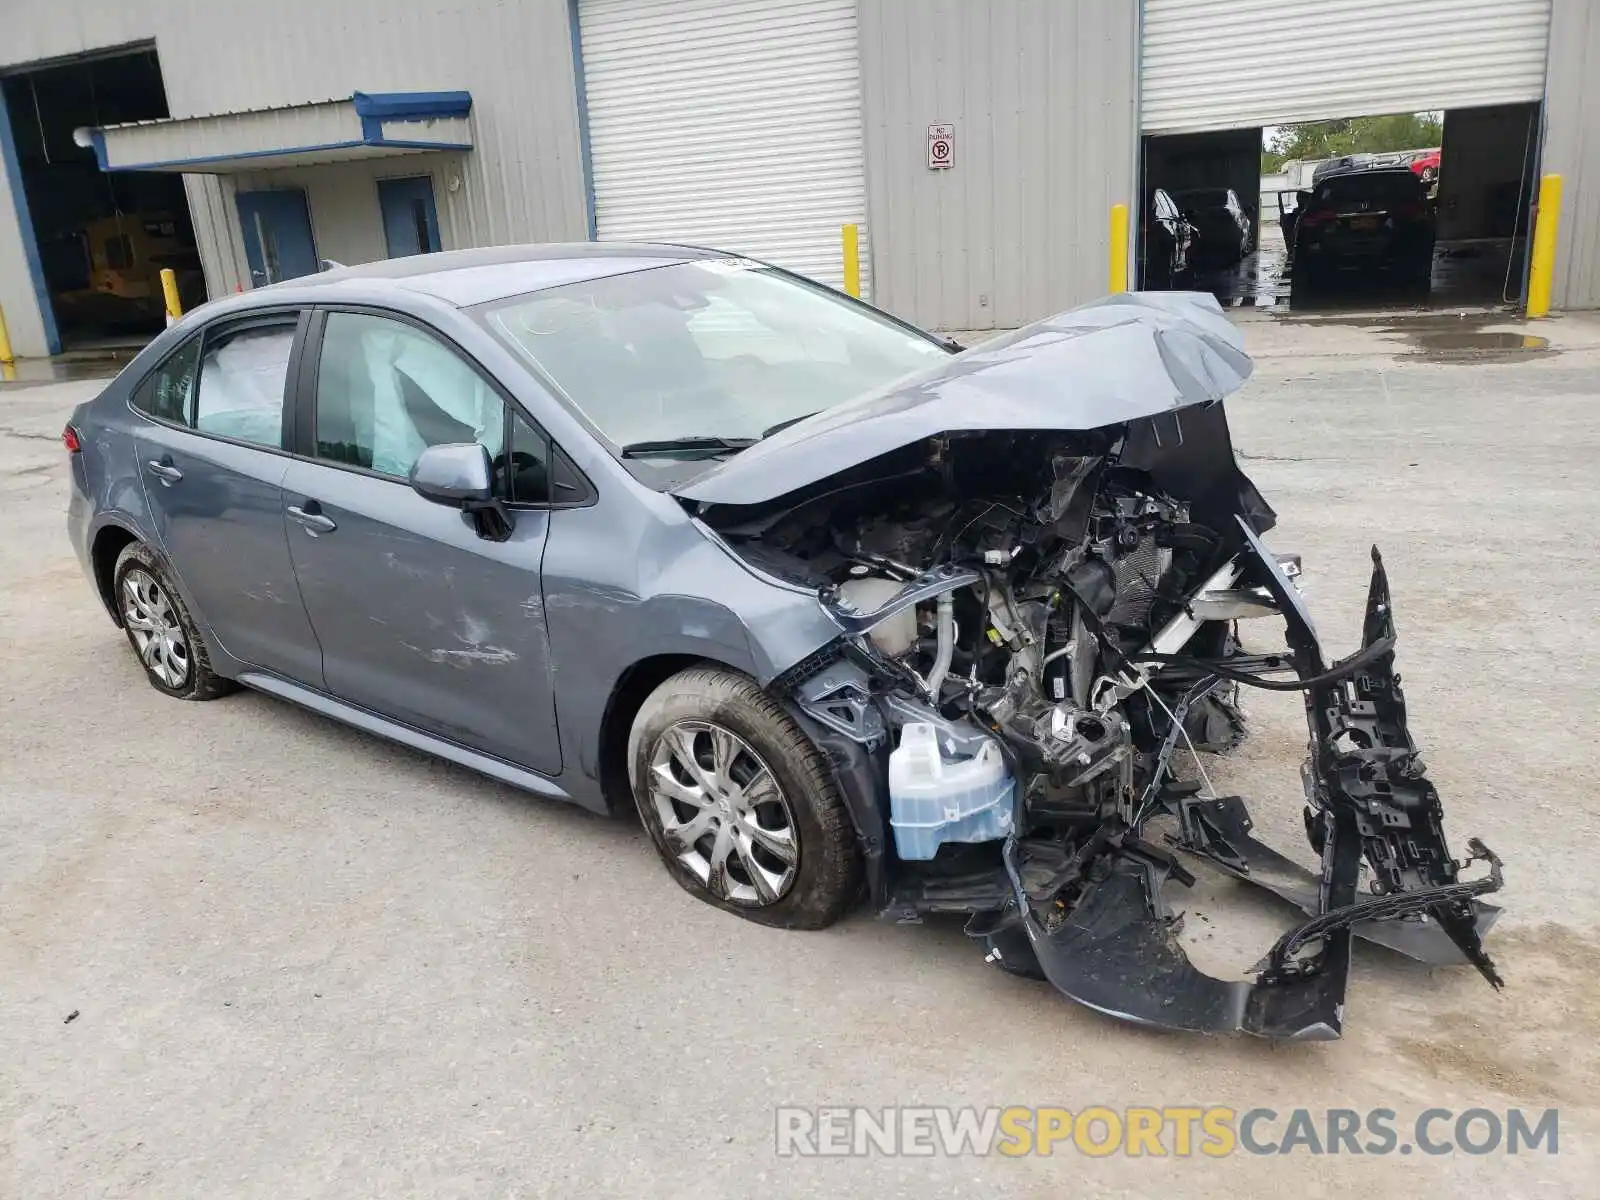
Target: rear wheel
160, 629
741, 805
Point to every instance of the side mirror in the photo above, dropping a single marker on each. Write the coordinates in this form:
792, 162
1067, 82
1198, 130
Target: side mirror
457, 474
460, 474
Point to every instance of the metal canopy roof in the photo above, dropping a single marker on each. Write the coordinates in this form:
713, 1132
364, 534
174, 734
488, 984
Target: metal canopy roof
367, 125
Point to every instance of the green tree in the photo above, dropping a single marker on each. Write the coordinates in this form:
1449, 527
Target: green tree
1354, 135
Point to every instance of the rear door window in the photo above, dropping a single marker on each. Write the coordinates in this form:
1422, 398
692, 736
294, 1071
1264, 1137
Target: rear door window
242, 375
167, 391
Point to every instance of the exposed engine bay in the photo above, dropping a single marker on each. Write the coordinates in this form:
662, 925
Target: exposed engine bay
1035, 627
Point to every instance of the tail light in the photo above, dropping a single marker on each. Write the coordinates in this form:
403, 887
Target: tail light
1411, 211
71, 440
1317, 217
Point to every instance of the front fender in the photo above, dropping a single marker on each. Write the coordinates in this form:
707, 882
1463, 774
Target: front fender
622, 584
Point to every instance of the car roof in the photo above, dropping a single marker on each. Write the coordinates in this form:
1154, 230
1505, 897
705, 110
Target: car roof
467, 277
1366, 173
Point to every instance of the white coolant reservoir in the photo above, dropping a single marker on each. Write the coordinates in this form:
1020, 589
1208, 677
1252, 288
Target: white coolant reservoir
936, 798
895, 635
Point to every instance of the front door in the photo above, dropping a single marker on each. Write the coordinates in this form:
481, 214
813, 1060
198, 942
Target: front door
277, 235
211, 464
421, 619
410, 221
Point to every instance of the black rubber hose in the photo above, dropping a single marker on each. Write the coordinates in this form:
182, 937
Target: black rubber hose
1338, 674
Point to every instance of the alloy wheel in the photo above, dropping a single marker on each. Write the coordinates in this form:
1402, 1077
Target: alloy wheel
723, 814
152, 621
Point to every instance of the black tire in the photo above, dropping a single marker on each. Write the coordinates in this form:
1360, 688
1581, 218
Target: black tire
197, 680
826, 872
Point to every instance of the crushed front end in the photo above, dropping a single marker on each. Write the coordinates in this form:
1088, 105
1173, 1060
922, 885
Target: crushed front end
1033, 628
1040, 559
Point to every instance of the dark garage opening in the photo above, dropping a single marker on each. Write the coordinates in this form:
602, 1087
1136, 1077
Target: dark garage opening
1409, 226
103, 238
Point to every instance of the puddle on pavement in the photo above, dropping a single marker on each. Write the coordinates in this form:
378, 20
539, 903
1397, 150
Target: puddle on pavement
1442, 337
1468, 345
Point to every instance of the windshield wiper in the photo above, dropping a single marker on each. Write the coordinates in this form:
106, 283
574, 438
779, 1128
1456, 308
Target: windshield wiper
706, 445
781, 425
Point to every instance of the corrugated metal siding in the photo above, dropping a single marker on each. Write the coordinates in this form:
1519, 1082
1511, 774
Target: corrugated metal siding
216, 231
158, 142
346, 220
1041, 93
728, 123
1572, 149
342, 199
1222, 64
522, 183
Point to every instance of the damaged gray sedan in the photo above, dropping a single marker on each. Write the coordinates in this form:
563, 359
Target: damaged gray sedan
840, 608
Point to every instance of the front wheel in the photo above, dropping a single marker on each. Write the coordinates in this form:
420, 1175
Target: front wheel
741, 805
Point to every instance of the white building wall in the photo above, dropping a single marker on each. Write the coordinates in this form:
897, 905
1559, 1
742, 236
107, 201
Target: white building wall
342, 199
1042, 96
523, 182
1572, 148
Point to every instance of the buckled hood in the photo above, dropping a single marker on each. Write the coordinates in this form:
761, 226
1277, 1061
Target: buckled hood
1133, 355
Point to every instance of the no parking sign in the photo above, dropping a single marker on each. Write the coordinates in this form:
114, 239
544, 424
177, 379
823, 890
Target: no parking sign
941, 146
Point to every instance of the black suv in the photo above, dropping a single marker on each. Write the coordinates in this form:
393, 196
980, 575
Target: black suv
1380, 218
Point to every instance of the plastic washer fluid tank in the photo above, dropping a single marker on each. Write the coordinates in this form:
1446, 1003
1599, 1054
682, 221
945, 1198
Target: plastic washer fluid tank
934, 799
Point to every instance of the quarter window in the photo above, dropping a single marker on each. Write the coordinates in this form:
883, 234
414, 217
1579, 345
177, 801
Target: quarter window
242, 375
524, 472
386, 391
166, 391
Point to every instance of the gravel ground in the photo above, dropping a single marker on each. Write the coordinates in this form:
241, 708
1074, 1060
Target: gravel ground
308, 963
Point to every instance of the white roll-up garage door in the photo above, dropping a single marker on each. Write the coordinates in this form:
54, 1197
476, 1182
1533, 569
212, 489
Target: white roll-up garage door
1227, 64
727, 123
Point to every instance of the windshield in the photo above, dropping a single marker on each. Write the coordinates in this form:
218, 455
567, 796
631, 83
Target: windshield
712, 349
1204, 197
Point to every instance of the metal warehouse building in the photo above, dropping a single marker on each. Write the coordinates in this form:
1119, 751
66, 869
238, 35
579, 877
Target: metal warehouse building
979, 145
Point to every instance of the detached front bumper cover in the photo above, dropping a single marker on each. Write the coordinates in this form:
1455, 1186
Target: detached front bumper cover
1114, 946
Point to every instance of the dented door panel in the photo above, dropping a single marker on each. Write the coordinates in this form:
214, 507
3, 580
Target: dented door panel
422, 620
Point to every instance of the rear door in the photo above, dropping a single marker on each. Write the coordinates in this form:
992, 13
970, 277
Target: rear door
211, 458
422, 620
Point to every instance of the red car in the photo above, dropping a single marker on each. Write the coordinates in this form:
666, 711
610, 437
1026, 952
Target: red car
1426, 166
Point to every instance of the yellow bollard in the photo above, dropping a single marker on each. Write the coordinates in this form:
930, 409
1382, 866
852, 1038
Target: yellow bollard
169, 289
1119, 248
1541, 272
6, 357
850, 235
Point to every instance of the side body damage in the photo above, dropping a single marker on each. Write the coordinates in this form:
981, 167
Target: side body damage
1073, 598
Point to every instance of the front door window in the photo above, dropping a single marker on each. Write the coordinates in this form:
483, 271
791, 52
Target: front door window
386, 391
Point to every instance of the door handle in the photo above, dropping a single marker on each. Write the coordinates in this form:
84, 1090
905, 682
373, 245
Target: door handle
311, 518
163, 470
